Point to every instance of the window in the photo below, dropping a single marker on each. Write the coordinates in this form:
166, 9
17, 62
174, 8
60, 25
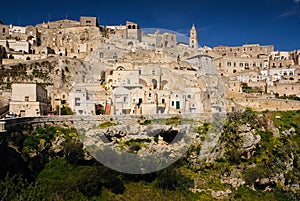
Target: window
254, 64
241, 64
77, 102
153, 72
234, 64
128, 81
88, 21
246, 66
189, 96
177, 105
228, 63
163, 100
101, 55
115, 57
172, 103
26, 98
3, 30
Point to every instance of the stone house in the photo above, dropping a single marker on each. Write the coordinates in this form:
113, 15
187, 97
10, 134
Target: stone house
82, 104
28, 99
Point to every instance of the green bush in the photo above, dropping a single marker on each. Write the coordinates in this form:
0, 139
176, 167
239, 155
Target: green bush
252, 174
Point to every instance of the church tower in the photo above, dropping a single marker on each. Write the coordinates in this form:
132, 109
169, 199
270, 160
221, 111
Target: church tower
193, 37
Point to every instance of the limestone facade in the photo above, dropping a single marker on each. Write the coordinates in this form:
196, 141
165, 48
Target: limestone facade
132, 71
193, 37
28, 100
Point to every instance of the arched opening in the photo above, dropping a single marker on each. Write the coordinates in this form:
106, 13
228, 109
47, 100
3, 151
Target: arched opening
129, 26
120, 68
154, 83
99, 109
130, 43
133, 26
143, 82
27, 58
163, 84
101, 55
234, 71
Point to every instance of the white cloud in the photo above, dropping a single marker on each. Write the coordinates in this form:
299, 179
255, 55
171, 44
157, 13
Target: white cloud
297, 1
289, 13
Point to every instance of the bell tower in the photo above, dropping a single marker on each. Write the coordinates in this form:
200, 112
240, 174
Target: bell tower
193, 38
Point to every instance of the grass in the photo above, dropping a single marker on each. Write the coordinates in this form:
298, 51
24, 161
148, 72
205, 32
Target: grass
134, 145
106, 124
45, 135
287, 119
176, 120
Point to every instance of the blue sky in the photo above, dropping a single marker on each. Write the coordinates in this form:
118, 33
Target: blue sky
219, 22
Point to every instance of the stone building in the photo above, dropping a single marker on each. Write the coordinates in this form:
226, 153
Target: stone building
193, 37
19, 46
124, 78
4, 31
28, 100
134, 33
229, 65
81, 102
253, 50
281, 59
88, 21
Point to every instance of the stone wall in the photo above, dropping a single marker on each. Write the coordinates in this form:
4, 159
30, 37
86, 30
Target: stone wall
87, 122
287, 89
268, 104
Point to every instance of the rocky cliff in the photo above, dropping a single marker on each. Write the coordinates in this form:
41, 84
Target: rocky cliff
255, 155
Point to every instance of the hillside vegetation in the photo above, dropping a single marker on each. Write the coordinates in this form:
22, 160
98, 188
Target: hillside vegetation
257, 159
